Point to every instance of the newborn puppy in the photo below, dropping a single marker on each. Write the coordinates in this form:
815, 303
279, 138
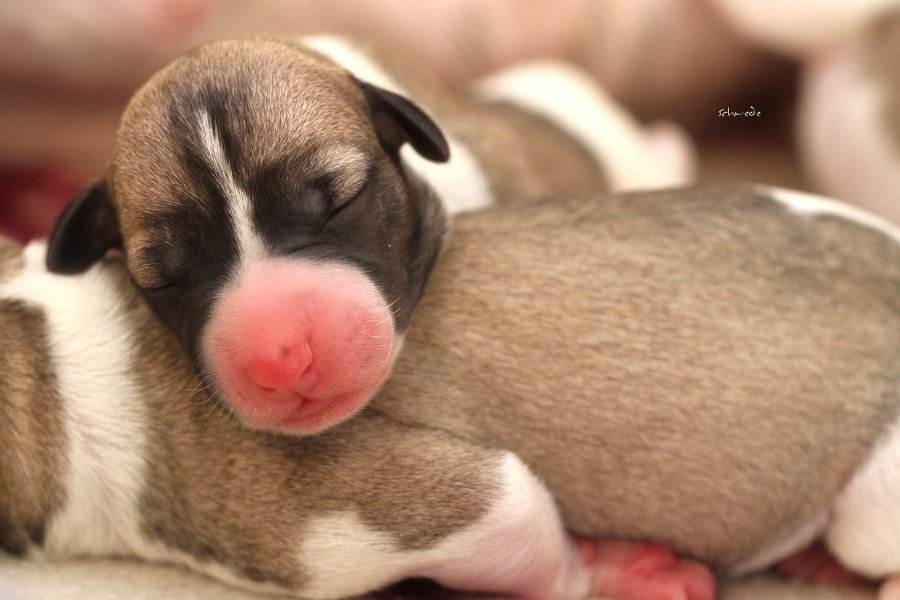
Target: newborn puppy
714, 369
110, 447
292, 170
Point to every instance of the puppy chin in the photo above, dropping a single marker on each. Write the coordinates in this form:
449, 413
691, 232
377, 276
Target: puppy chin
299, 346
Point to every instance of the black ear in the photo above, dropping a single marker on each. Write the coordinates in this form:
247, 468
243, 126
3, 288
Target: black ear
84, 231
397, 120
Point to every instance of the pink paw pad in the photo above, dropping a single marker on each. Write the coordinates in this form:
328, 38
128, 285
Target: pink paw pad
633, 571
816, 564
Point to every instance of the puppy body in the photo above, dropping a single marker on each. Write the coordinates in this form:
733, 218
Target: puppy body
715, 369
715, 335
124, 455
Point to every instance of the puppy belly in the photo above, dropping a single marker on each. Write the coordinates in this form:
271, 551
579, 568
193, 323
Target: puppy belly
864, 532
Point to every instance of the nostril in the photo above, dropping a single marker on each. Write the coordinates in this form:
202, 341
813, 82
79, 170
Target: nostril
307, 379
289, 367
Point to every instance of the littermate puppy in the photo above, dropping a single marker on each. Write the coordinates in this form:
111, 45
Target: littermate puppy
109, 447
716, 335
305, 163
714, 369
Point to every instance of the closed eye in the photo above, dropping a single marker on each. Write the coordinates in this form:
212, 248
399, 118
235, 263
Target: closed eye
156, 288
366, 184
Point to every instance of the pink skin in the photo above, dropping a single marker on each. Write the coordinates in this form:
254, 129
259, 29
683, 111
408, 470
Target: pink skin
298, 346
634, 571
816, 564
890, 590
616, 569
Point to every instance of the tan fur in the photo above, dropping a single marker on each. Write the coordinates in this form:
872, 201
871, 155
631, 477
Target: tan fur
883, 47
31, 427
525, 156
10, 259
147, 174
696, 368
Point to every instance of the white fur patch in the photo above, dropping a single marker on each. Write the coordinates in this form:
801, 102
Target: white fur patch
570, 99
518, 546
865, 531
90, 349
240, 207
460, 182
804, 203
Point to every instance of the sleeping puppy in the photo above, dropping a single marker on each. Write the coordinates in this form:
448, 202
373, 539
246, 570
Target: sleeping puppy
262, 160
111, 447
714, 369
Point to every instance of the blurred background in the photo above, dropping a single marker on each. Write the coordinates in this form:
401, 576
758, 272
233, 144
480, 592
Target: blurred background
68, 67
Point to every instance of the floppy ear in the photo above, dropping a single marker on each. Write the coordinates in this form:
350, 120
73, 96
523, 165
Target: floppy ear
397, 120
84, 231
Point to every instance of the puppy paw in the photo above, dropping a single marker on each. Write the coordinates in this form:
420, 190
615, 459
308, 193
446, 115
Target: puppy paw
632, 571
816, 564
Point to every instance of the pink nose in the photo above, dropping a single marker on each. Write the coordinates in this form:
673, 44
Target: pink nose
299, 346
290, 368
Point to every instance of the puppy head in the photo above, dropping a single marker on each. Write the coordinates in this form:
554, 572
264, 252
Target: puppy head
257, 194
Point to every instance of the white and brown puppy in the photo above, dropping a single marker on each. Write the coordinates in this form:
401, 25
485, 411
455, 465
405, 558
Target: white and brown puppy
109, 448
715, 369
285, 168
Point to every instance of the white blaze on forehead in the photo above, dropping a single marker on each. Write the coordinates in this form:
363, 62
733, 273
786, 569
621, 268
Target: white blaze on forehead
90, 350
567, 97
804, 203
239, 205
460, 182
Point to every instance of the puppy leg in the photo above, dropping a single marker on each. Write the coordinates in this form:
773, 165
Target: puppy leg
517, 547
520, 545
